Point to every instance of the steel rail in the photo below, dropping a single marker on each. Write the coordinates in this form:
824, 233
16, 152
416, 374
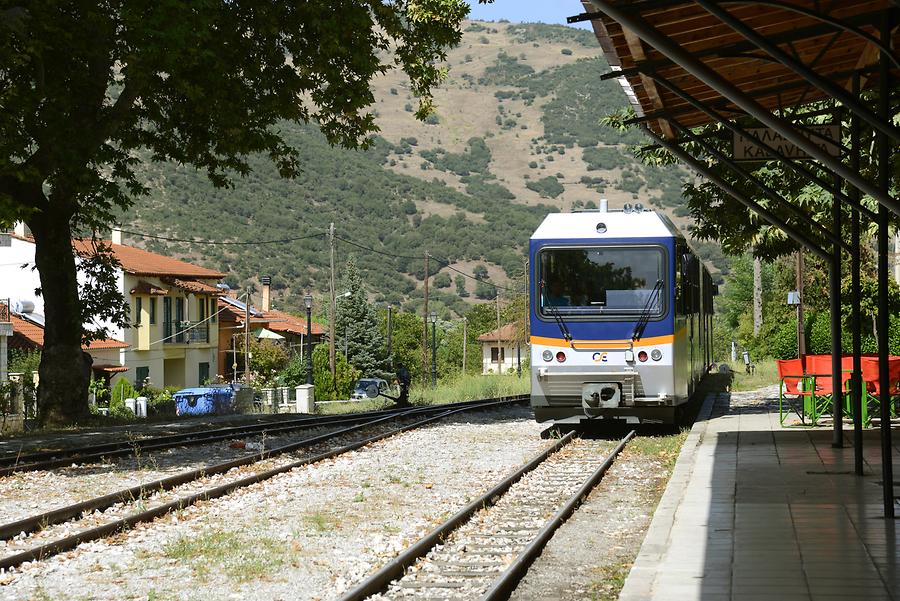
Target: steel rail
504, 585
395, 568
62, 514
64, 457
64, 544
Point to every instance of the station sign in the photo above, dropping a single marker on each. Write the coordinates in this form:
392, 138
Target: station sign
746, 148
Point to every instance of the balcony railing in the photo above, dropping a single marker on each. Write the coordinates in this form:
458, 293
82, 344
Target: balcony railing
185, 332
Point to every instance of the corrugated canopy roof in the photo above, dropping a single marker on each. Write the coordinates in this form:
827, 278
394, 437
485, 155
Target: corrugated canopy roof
835, 39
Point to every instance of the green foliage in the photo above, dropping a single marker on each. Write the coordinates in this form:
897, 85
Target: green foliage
267, 358
544, 32
783, 342
460, 281
547, 187
506, 70
406, 341
357, 324
328, 388
442, 280
294, 373
100, 390
475, 158
24, 362
121, 390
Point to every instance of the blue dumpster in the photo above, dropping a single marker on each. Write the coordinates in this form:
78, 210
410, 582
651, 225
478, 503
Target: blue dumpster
204, 400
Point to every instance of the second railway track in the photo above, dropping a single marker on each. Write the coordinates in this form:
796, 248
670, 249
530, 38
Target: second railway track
484, 550
42, 460
49, 533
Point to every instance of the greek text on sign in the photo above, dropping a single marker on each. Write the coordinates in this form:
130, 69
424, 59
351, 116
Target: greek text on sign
746, 149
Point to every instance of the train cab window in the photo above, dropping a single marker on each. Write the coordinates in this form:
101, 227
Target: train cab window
602, 281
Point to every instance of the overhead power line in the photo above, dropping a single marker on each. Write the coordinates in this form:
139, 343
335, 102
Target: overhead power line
225, 242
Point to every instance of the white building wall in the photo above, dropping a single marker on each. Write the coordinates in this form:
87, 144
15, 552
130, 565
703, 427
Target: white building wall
19, 279
490, 367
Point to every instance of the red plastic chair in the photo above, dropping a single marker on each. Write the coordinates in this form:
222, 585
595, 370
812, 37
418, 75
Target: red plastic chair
795, 384
871, 376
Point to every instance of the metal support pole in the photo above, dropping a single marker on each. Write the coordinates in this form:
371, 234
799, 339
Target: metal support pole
855, 317
433, 353
465, 340
390, 330
834, 281
768, 216
884, 179
628, 18
309, 365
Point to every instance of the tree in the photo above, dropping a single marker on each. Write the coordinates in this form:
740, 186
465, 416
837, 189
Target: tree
330, 388
92, 91
460, 282
357, 323
442, 280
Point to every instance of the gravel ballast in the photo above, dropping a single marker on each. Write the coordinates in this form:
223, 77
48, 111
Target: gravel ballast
308, 534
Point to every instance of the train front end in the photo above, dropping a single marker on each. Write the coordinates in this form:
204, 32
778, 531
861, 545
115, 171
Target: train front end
603, 336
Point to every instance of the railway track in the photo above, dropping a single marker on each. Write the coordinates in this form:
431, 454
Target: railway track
49, 533
484, 550
15, 463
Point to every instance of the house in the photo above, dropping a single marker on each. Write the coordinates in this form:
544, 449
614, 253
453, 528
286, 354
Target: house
501, 349
28, 334
264, 322
173, 338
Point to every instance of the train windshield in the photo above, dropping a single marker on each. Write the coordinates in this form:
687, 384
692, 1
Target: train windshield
601, 280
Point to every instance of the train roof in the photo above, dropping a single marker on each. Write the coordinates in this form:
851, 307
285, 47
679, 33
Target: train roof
618, 224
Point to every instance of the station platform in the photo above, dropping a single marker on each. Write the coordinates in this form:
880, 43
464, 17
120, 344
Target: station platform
755, 511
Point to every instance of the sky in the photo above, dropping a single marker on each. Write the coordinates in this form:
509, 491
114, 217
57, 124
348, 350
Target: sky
540, 11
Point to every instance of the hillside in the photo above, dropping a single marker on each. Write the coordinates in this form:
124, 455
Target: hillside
516, 134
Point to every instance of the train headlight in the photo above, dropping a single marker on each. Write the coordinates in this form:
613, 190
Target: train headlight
656, 354
547, 356
561, 357
642, 356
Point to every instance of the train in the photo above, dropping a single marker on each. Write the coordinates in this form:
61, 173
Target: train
621, 313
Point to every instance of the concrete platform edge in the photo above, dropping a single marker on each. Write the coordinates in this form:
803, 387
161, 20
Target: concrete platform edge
639, 583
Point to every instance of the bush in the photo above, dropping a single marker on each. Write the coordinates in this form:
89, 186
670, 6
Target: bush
121, 412
294, 374
121, 391
783, 342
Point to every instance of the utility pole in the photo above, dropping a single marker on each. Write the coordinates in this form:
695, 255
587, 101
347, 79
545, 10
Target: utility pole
499, 346
757, 294
425, 323
247, 335
333, 315
465, 339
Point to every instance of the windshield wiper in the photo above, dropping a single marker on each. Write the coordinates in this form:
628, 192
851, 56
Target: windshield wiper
560, 323
644, 319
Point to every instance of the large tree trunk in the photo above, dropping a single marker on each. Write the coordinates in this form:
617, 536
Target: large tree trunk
757, 296
65, 368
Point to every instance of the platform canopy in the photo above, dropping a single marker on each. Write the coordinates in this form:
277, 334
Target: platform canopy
833, 39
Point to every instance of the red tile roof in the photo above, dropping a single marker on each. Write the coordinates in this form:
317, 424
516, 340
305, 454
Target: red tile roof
147, 289
504, 333
279, 321
33, 334
142, 262
193, 286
